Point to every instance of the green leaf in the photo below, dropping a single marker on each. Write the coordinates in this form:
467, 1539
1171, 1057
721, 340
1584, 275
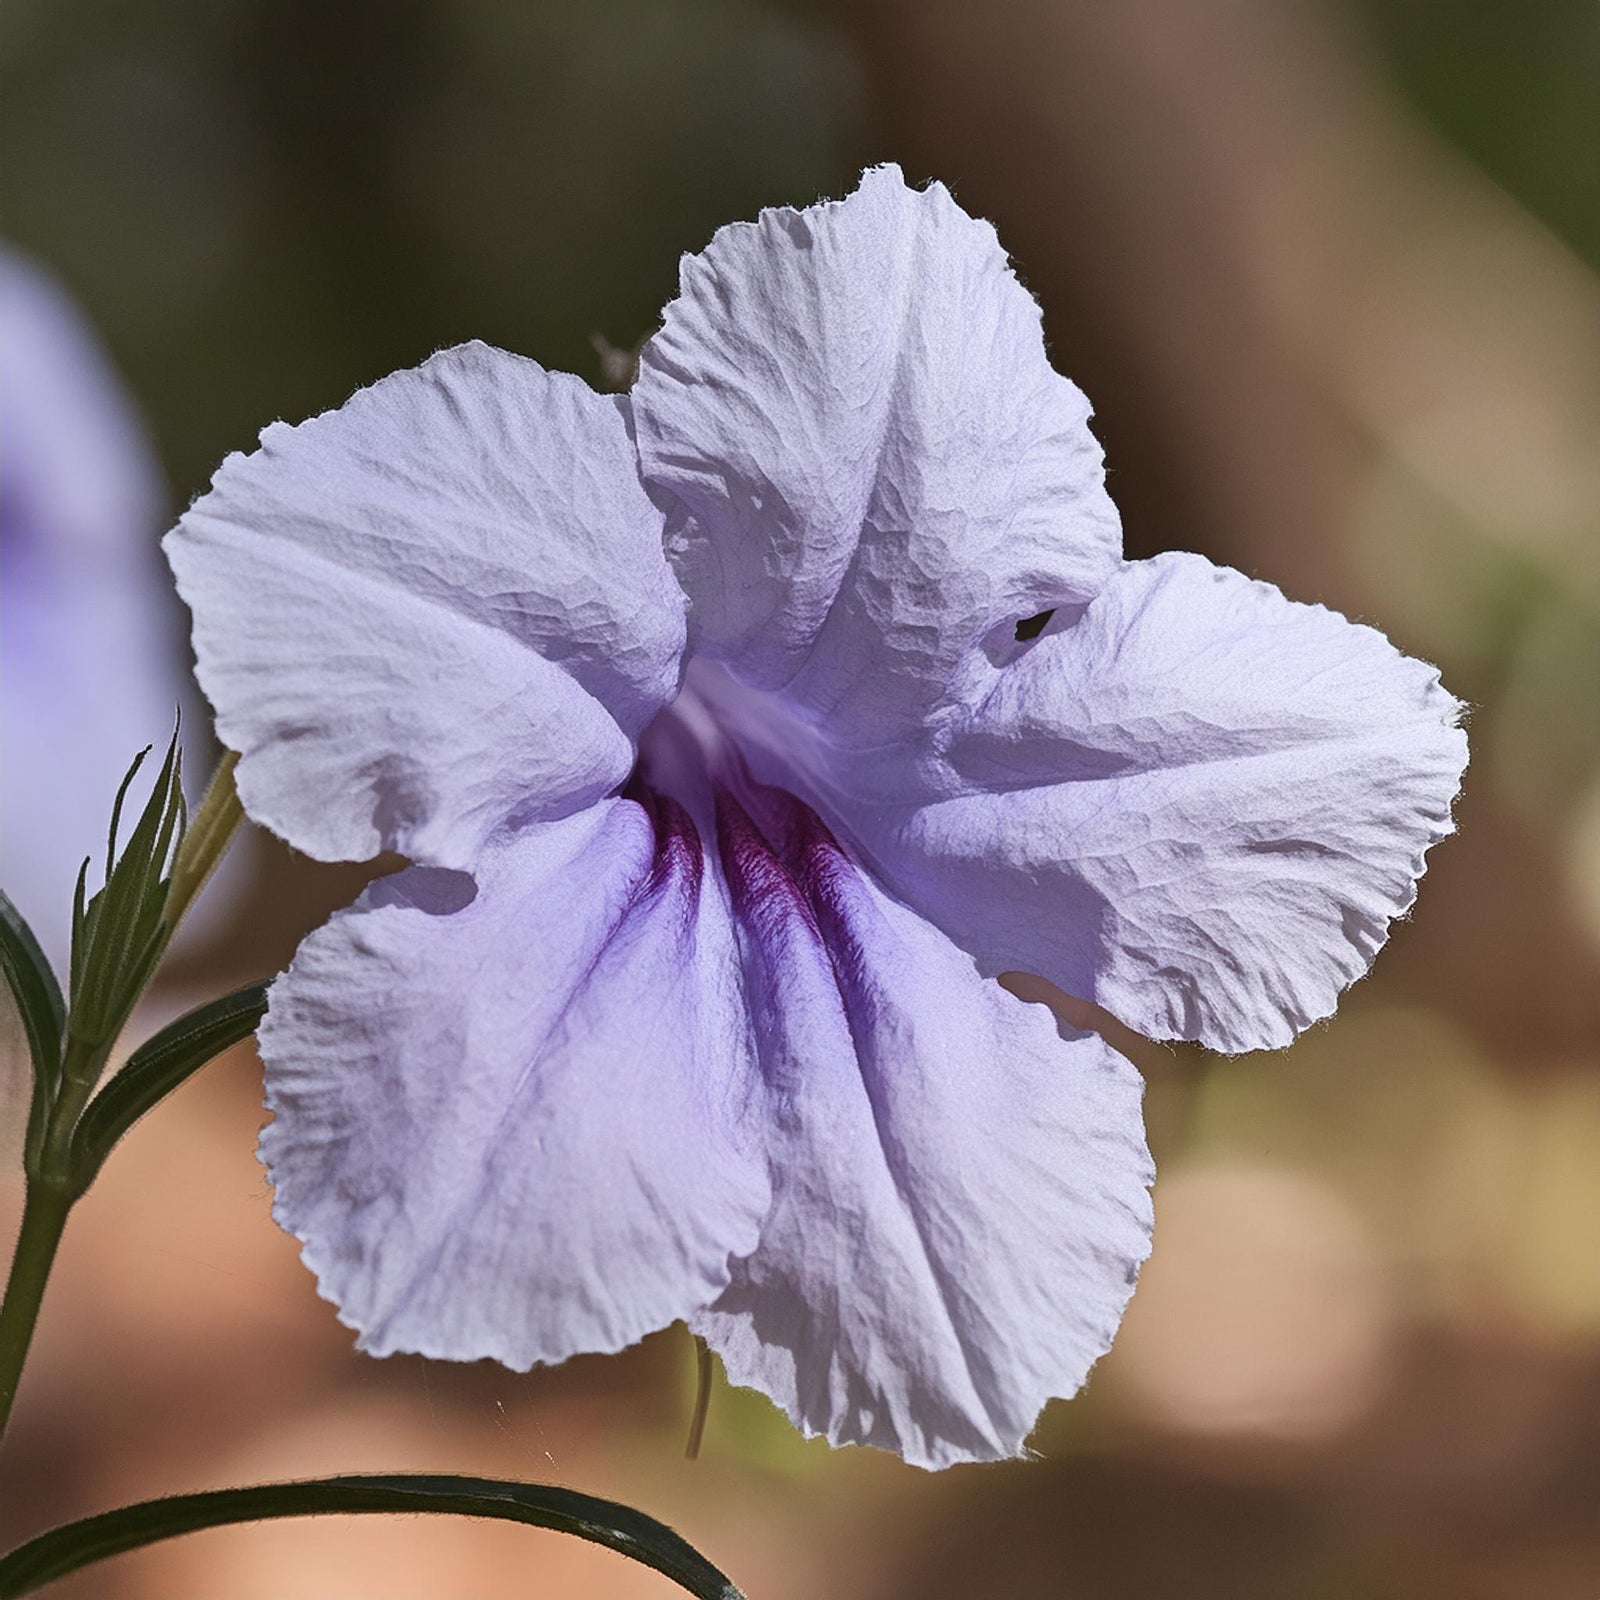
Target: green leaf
33, 986
38, 996
156, 1068
80, 930
121, 934
116, 810
78, 1544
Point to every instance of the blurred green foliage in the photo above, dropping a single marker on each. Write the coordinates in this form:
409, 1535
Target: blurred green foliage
1516, 88
264, 205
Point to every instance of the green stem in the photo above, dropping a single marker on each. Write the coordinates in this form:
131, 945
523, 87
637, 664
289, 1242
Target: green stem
50, 1191
44, 1215
705, 1375
83, 1063
50, 1194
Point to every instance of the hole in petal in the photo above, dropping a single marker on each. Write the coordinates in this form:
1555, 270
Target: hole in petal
1013, 637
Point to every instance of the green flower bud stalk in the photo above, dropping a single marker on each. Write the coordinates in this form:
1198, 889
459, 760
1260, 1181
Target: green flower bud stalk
118, 940
205, 841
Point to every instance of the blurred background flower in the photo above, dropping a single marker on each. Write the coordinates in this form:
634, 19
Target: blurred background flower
1331, 275
89, 668
89, 673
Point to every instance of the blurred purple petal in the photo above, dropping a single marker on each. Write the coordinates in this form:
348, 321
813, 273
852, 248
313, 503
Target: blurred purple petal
89, 671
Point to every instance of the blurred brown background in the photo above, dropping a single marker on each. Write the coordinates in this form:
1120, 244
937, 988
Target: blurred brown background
1329, 274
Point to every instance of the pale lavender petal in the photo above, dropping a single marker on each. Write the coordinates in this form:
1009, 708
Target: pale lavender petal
1200, 805
961, 1199
870, 469
515, 1123
89, 671
439, 608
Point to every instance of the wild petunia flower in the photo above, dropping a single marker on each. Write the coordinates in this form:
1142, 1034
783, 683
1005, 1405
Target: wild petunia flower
741, 729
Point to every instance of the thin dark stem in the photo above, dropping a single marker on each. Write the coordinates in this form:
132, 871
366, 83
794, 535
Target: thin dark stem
44, 1215
641, 1538
705, 1374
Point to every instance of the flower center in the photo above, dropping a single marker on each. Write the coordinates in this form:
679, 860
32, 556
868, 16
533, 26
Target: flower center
780, 860
717, 732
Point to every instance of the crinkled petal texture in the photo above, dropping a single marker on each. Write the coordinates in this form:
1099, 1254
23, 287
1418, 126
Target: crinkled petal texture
670, 1048
870, 469
961, 1198
516, 1123
630, 1080
1200, 805
439, 609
